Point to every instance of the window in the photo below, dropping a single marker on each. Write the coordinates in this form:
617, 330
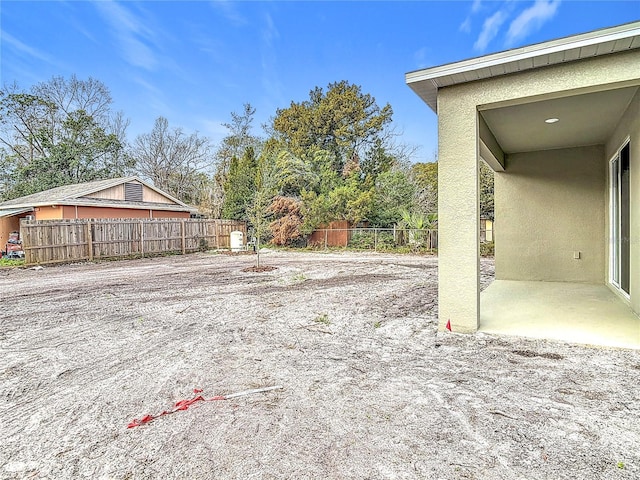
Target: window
620, 219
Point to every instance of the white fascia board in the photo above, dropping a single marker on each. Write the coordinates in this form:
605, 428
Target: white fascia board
442, 75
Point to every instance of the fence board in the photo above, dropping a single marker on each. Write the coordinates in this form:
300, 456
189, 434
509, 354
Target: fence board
58, 241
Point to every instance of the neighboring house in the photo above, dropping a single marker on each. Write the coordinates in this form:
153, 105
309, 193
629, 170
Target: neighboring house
559, 123
127, 197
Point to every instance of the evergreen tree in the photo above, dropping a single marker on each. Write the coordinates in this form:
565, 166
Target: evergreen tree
240, 186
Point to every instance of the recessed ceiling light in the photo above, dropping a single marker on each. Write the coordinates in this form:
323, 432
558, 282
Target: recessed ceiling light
552, 120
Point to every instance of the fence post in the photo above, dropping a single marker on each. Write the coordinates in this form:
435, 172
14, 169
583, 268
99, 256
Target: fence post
141, 239
182, 235
375, 239
90, 240
25, 248
325, 238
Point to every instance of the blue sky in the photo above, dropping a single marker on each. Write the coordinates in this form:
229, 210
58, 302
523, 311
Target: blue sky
194, 62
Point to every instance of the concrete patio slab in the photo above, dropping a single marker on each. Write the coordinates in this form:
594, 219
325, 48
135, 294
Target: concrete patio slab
572, 312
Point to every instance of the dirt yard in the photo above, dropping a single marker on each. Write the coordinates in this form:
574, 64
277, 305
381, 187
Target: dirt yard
369, 390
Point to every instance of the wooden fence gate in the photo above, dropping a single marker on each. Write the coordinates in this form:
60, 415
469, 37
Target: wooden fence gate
59, 241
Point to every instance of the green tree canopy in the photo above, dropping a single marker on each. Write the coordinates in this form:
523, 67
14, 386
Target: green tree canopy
240, 186
58, 133
343, 121
394, 193
486, 190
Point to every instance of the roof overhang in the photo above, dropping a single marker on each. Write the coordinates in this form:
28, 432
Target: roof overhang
587, 45
100, 204
11, 212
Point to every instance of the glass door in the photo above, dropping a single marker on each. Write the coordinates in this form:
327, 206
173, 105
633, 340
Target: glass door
620, 219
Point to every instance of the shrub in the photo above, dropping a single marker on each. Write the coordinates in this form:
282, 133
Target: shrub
487, 249
286, 228
368, 240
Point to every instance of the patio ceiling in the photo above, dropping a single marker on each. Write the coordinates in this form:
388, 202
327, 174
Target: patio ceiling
587, 119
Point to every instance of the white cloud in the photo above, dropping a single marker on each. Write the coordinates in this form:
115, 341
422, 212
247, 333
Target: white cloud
490, 29
466, 25
154, 98
230, 12
269, 59
531, 19
131, 33
23, 48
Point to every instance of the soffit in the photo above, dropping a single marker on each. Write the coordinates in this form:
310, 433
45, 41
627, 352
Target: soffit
600, 42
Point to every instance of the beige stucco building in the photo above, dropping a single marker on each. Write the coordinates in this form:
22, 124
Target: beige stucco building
559, 123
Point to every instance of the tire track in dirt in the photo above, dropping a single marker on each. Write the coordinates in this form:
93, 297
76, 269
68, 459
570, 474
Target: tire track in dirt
352, 337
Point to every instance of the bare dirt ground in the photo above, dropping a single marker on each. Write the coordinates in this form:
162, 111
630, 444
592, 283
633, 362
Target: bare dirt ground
370, 390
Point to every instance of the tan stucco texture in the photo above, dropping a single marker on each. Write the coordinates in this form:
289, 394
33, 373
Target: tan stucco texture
458, 216
629, 127
549, 208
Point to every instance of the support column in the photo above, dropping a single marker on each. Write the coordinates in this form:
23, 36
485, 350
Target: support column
458, 213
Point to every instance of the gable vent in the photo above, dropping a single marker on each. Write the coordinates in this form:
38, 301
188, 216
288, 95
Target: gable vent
133, 192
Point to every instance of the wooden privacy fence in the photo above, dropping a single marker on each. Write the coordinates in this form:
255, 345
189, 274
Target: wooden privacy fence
58, 241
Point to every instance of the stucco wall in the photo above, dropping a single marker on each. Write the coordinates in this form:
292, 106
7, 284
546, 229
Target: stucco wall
169, 214
106, 212
458, 218
549, 205
49, 213
629, 126
7, 225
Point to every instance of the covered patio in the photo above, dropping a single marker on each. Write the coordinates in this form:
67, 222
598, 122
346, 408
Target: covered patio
571, 312
559, 123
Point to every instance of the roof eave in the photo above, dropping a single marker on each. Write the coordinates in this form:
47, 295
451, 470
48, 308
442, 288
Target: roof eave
426, 82
73, 202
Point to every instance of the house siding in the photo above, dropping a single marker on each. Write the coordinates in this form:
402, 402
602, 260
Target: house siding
117, 193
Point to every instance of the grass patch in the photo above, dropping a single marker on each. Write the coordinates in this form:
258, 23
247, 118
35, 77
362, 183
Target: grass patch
11, 262
322, 318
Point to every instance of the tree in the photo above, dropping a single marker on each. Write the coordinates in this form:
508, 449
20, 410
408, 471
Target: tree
343, 121
394, 193
286, 226
172, 160
59, 132
351, 201
240, 186
425, 178
316, 210
266, 188
486, 190
239, 138
233, 147
377, 160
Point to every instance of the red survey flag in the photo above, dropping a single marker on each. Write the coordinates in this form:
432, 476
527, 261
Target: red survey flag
448, 327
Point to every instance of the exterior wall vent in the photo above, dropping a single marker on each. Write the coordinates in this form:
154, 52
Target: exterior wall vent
133, 192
